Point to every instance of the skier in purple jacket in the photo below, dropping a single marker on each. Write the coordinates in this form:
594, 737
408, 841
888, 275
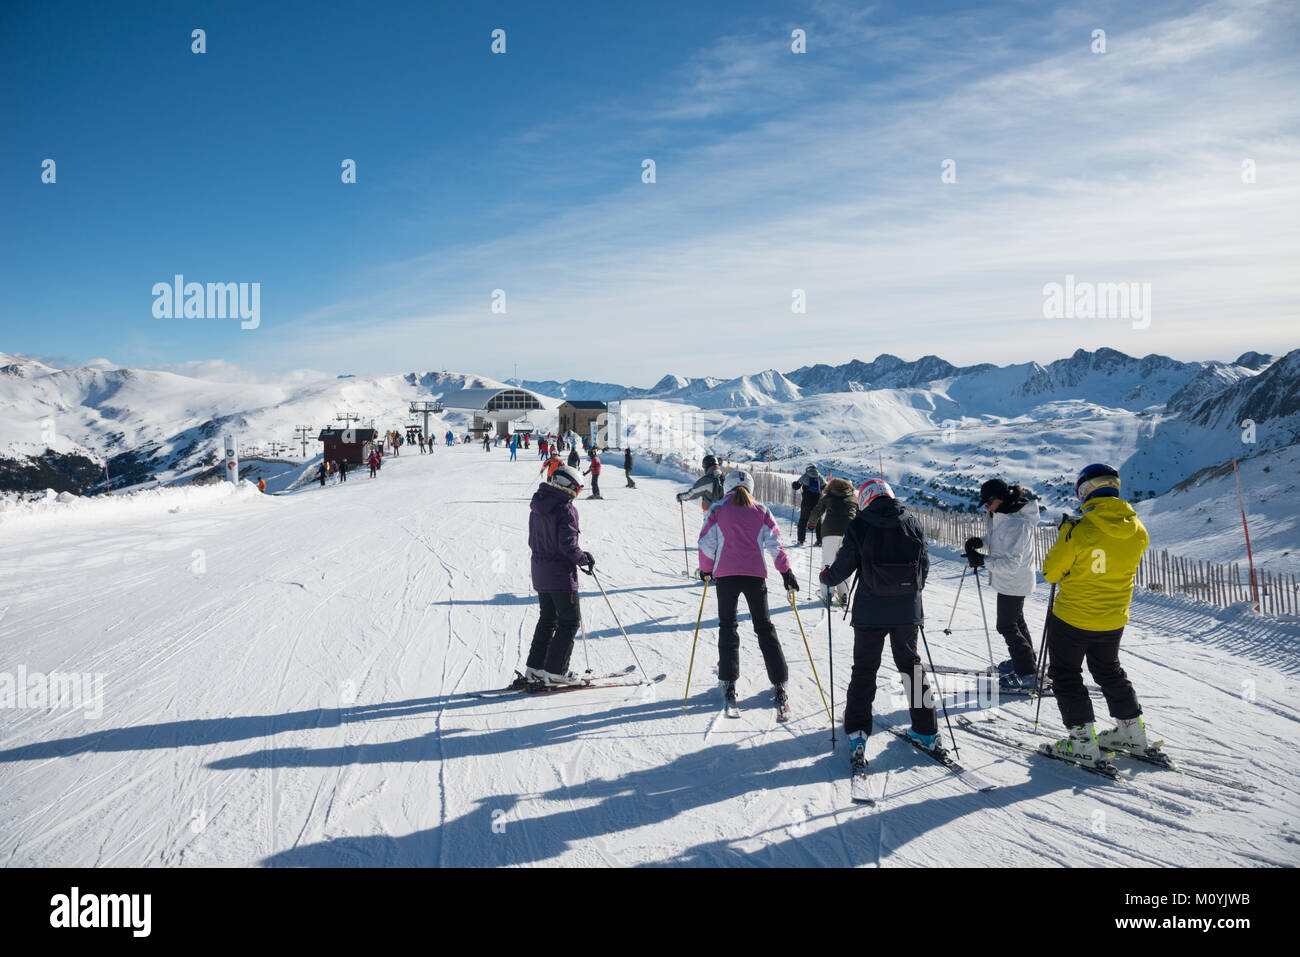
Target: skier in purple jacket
553, 539
736, 537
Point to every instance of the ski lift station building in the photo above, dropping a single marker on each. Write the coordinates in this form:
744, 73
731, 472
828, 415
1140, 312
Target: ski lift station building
347, 445
582, 417
494, 408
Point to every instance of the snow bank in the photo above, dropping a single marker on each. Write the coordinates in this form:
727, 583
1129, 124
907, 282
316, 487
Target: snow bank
20, 508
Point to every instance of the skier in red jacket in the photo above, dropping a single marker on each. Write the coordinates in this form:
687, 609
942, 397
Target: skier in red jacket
593, 469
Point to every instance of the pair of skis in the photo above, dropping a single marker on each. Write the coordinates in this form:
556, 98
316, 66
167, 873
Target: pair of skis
860, 787
615, 679
732, 710
990, 675
1106, 768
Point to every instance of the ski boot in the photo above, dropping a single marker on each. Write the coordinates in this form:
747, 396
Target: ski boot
552, 680
1006, 667
858, 753
522, 681
729, 699
1079, 747
782, 702
1018, 683
927, 742
1130, 736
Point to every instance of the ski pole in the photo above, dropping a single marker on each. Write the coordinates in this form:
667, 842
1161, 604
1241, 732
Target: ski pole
964, 569
943, 703
617, 622
691, 668
582, 625
1042, 657
848, 599
795, 606
685, 554
987, 640
1041, 677
830, 651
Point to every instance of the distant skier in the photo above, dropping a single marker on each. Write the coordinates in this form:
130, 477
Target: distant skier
593, 469
885, 545
1094, 560
343, 470
543, 448
1008, 553
527, 435
261, 485
749, 533
574, 461
627, 467
708, 487
836, 508
322, 472
373, 462
514, 448
487, 441
551, 464
556, 558
811, 483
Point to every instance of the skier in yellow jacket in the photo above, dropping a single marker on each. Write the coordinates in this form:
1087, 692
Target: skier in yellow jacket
1094, 561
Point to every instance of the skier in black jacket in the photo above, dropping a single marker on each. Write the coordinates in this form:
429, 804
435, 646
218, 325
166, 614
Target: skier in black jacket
886, 546
812, 483
627, 467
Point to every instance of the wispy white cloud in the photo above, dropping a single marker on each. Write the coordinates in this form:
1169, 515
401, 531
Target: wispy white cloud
1114, 167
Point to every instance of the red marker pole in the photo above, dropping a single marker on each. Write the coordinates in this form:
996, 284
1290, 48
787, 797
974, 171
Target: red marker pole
1254, 591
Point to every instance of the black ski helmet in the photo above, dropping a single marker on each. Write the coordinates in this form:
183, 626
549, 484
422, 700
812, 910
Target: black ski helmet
710, 462
994, 488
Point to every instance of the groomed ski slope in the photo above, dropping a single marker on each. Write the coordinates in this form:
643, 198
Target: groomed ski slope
288, 682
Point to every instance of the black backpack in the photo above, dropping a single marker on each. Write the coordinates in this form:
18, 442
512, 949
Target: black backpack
891, 561
717, 488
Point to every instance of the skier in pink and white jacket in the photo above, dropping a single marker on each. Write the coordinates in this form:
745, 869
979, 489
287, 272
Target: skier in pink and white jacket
738, 537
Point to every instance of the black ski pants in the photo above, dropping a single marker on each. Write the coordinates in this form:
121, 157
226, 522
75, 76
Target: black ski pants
1067, 649
729, 589
806, 504
556, 627
1011, 626
868, 646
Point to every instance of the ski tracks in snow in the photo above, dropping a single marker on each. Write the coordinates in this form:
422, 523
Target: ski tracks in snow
305, 700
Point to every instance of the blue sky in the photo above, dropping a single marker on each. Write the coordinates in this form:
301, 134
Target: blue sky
522, 172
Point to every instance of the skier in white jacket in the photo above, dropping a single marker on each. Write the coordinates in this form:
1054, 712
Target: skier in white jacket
1008, 552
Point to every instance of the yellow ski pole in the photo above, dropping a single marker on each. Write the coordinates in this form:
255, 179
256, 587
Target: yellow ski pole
810, 659
698, 619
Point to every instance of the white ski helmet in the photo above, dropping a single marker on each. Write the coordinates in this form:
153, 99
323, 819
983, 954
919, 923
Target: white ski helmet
873, 489
736, 478
567, 479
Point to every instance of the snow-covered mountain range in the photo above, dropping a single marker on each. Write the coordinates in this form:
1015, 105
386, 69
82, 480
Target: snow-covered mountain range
936, 429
